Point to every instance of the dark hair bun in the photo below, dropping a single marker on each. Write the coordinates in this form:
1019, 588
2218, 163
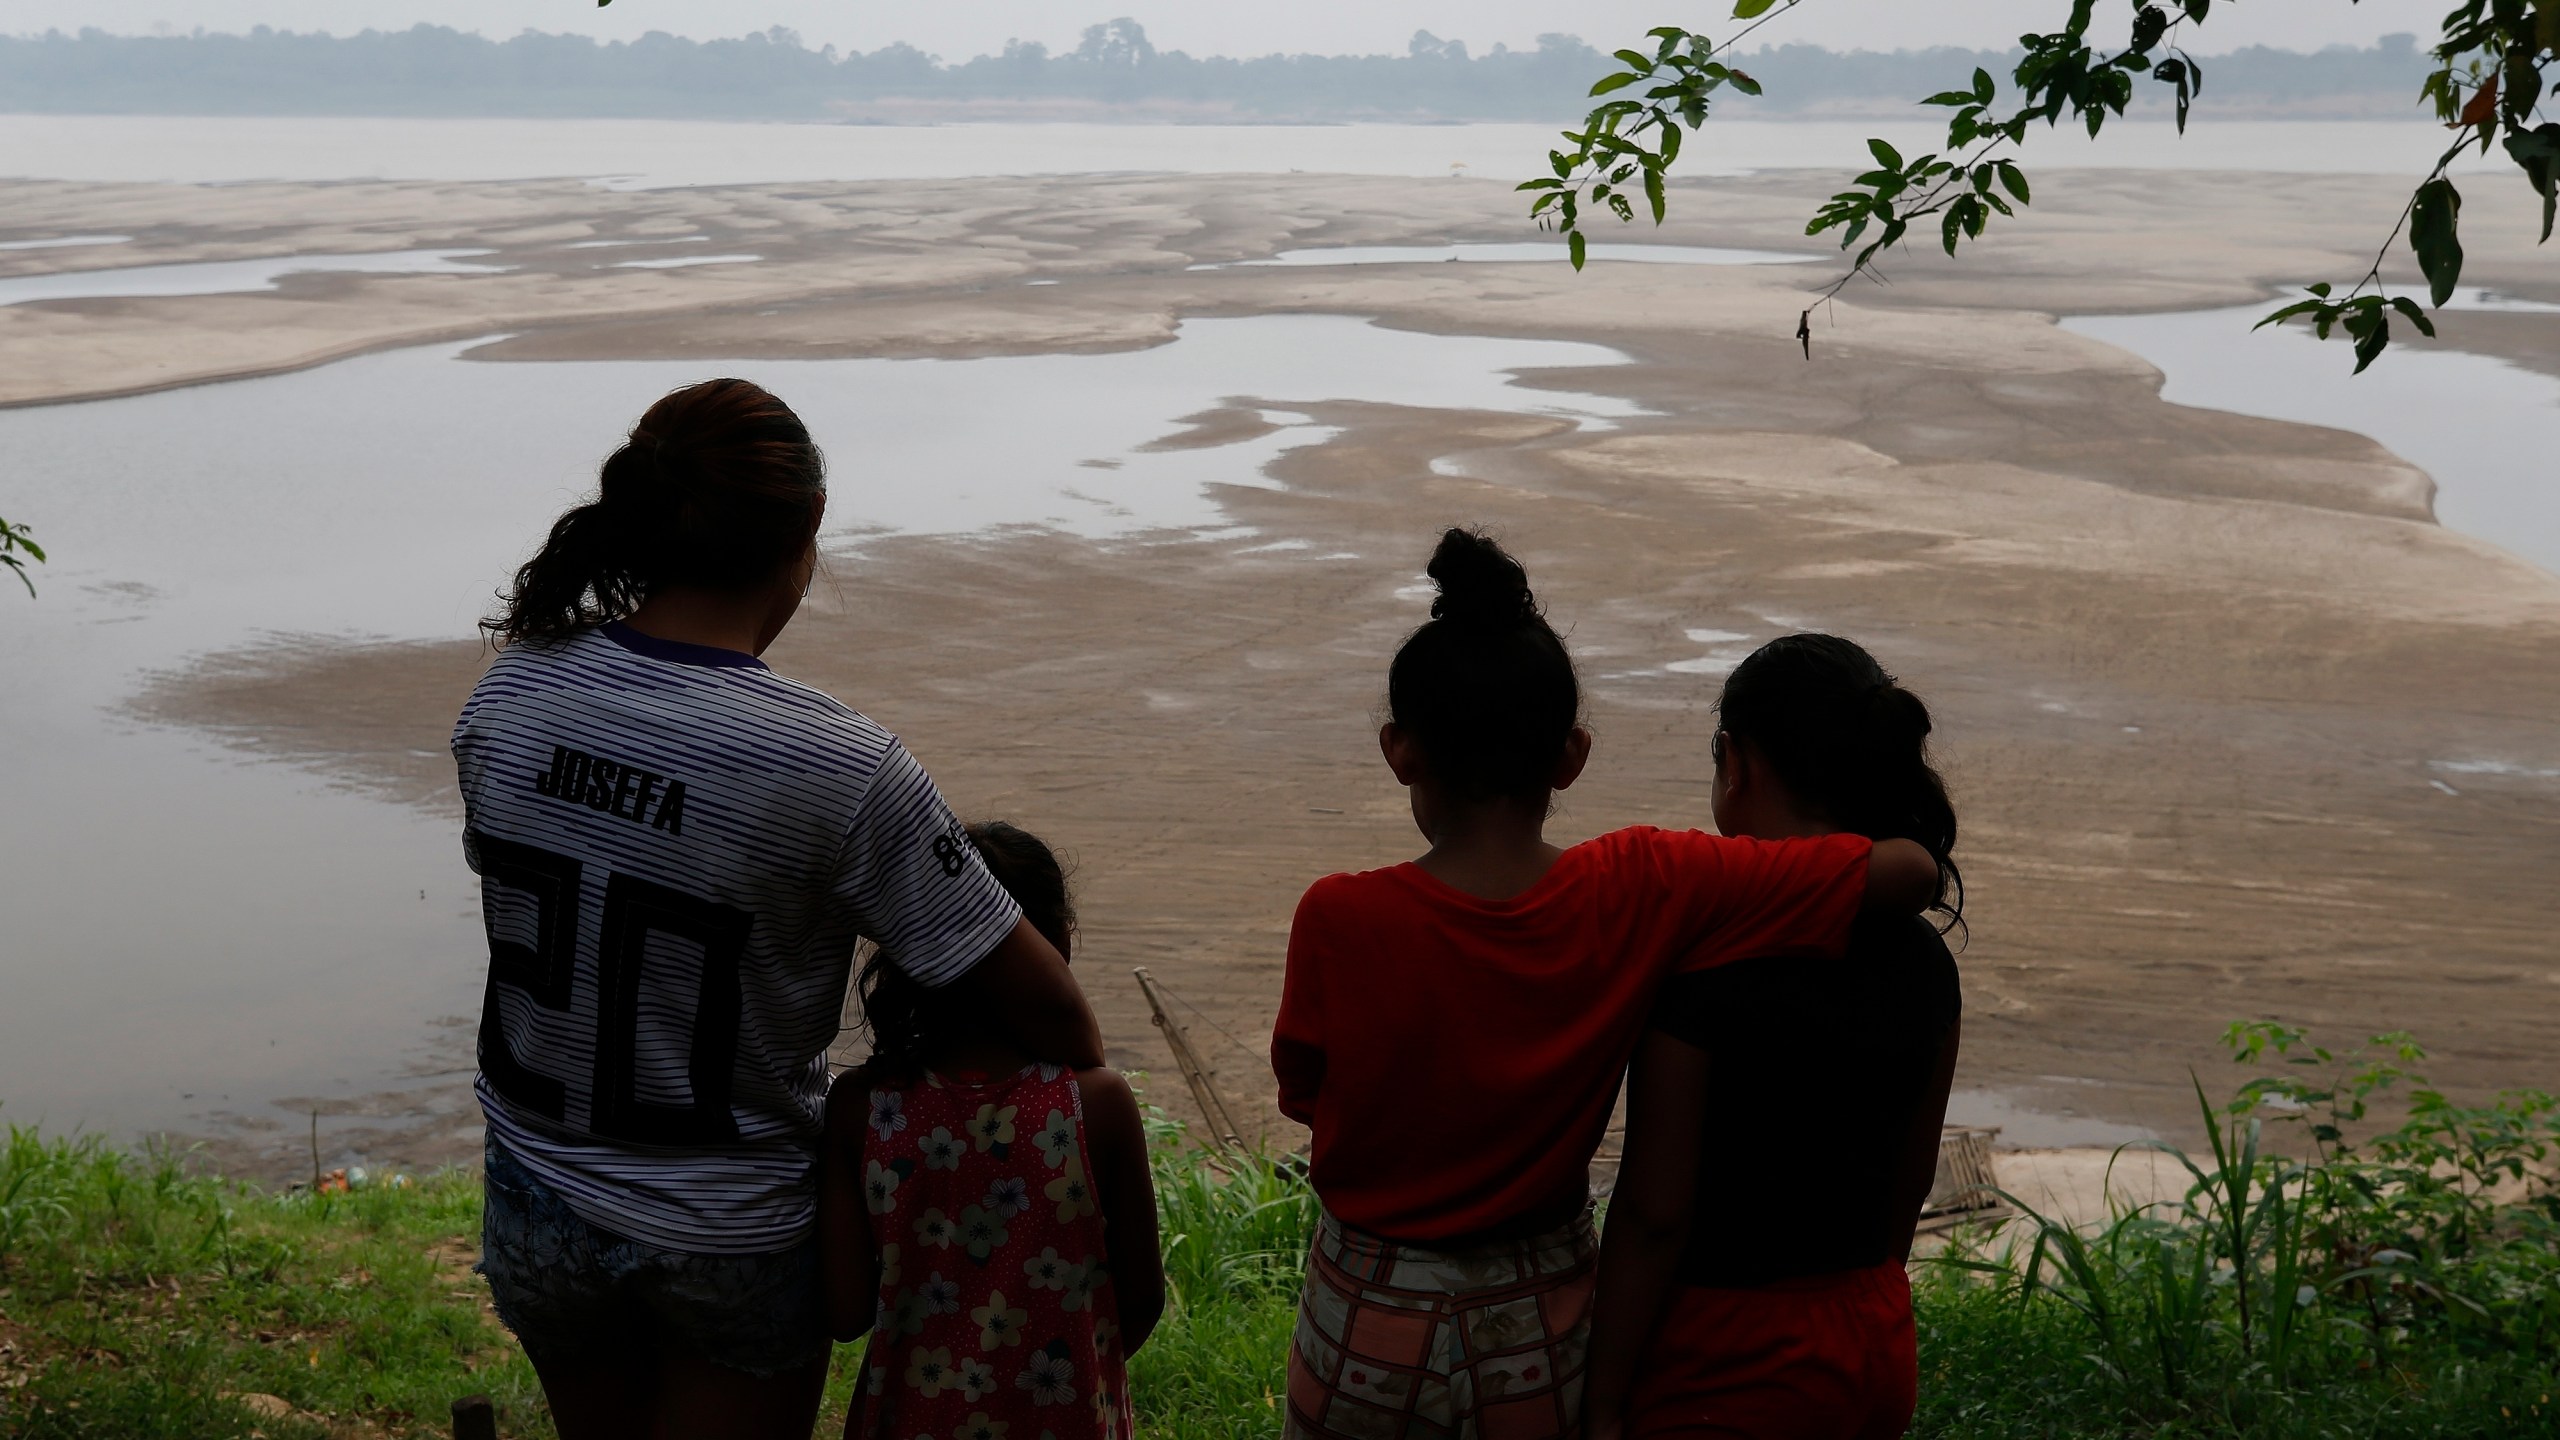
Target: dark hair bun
1898, 714
1480, 584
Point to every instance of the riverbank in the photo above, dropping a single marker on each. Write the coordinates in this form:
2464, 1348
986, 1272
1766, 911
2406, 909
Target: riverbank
2204, 682
139, 1297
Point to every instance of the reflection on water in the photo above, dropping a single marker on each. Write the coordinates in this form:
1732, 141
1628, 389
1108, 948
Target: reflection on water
1514, 252
2485, 429
652, 154
60, 242
679, 262
228, 277
185, 924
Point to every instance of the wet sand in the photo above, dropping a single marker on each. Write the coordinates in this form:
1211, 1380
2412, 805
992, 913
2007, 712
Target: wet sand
2190, 668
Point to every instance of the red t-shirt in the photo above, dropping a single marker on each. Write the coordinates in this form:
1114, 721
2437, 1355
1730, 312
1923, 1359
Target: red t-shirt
1457, 1058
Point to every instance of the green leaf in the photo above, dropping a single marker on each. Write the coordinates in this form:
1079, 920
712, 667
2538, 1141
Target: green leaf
1744, 83
1541, 183
1886, 155
2417, 317
1636, 60
2434, 220
1653, 191
2299, 307
1576, 246
1951, 97
2014, 181
1951, 228
1563, 167
2538, 151
1670, 144
2370, 345
1619, 81
1983, 89
1751, 9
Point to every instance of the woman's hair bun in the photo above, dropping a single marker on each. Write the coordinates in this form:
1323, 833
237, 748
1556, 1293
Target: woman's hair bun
1898, 714
1480, 584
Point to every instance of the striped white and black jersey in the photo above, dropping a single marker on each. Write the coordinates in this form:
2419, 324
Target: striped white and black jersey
677, 849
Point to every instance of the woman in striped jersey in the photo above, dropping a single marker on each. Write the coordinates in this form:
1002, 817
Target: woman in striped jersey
678, 849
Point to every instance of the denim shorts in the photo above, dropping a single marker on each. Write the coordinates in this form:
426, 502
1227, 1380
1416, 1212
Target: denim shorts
576, 1294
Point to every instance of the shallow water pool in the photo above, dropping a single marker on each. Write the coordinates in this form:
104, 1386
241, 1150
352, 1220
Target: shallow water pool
192, 932
228, 277
2484, 428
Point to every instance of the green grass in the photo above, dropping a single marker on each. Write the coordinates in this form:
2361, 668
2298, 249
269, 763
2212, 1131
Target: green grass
2393, 1289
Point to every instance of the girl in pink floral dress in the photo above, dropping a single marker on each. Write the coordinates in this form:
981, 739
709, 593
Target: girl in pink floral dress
987, 1218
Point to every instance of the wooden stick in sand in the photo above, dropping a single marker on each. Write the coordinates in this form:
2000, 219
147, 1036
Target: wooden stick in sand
1195, 1073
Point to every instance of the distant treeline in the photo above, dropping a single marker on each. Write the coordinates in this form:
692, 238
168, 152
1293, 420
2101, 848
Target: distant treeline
431, 70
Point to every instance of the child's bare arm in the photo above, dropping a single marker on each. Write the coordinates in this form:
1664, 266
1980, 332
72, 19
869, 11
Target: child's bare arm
1649, 1215
848, 1265
1902, 878
1026, 986
1117, 1145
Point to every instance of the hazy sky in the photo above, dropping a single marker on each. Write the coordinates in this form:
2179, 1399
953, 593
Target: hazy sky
958, 29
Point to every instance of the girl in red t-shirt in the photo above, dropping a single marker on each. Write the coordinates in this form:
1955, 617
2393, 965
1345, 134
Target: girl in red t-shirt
1453, 1029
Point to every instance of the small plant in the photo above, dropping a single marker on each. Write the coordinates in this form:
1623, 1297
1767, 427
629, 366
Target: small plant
17, 546
2380, 1279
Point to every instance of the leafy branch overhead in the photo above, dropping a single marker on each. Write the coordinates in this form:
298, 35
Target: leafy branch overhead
2493, 72
13, 540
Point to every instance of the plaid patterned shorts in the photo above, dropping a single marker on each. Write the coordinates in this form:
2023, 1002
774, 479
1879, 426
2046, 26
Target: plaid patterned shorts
1397, 1342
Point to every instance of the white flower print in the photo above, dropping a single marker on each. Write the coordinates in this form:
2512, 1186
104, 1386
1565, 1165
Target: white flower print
1049, 1377
977, 1380
1049, 1270
935, 1229
889, 1267
1081, 1283
939, 1296
1008, 1198
999, 1324
888, 1113
1049, 1073
979, 1427
941, 1149
929, 1371
982, 1231
1074, 1196
992, 1127
1057, 1139
880, 1188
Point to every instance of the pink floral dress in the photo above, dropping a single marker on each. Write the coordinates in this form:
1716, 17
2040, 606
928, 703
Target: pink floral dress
996, 1315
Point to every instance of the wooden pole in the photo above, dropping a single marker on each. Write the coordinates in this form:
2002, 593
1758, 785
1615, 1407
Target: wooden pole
1195, 1073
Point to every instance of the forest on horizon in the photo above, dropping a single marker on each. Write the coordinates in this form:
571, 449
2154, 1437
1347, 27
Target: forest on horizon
1114, 73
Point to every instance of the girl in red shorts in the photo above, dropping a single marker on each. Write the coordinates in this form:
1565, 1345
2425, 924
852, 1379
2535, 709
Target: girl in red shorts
1719, 1314
1453, 1029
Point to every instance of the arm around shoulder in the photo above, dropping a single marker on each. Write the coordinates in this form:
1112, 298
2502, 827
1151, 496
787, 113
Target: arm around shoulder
847, 1265
1116, 1148
1035, 1000
1902, 878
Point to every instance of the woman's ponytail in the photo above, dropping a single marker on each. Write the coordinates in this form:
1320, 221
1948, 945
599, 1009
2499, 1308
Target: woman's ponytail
717, 485
1848, 742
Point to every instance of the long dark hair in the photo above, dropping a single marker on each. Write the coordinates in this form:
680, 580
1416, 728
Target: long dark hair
718, 485
908, 1022
1485, 687
1848, 742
